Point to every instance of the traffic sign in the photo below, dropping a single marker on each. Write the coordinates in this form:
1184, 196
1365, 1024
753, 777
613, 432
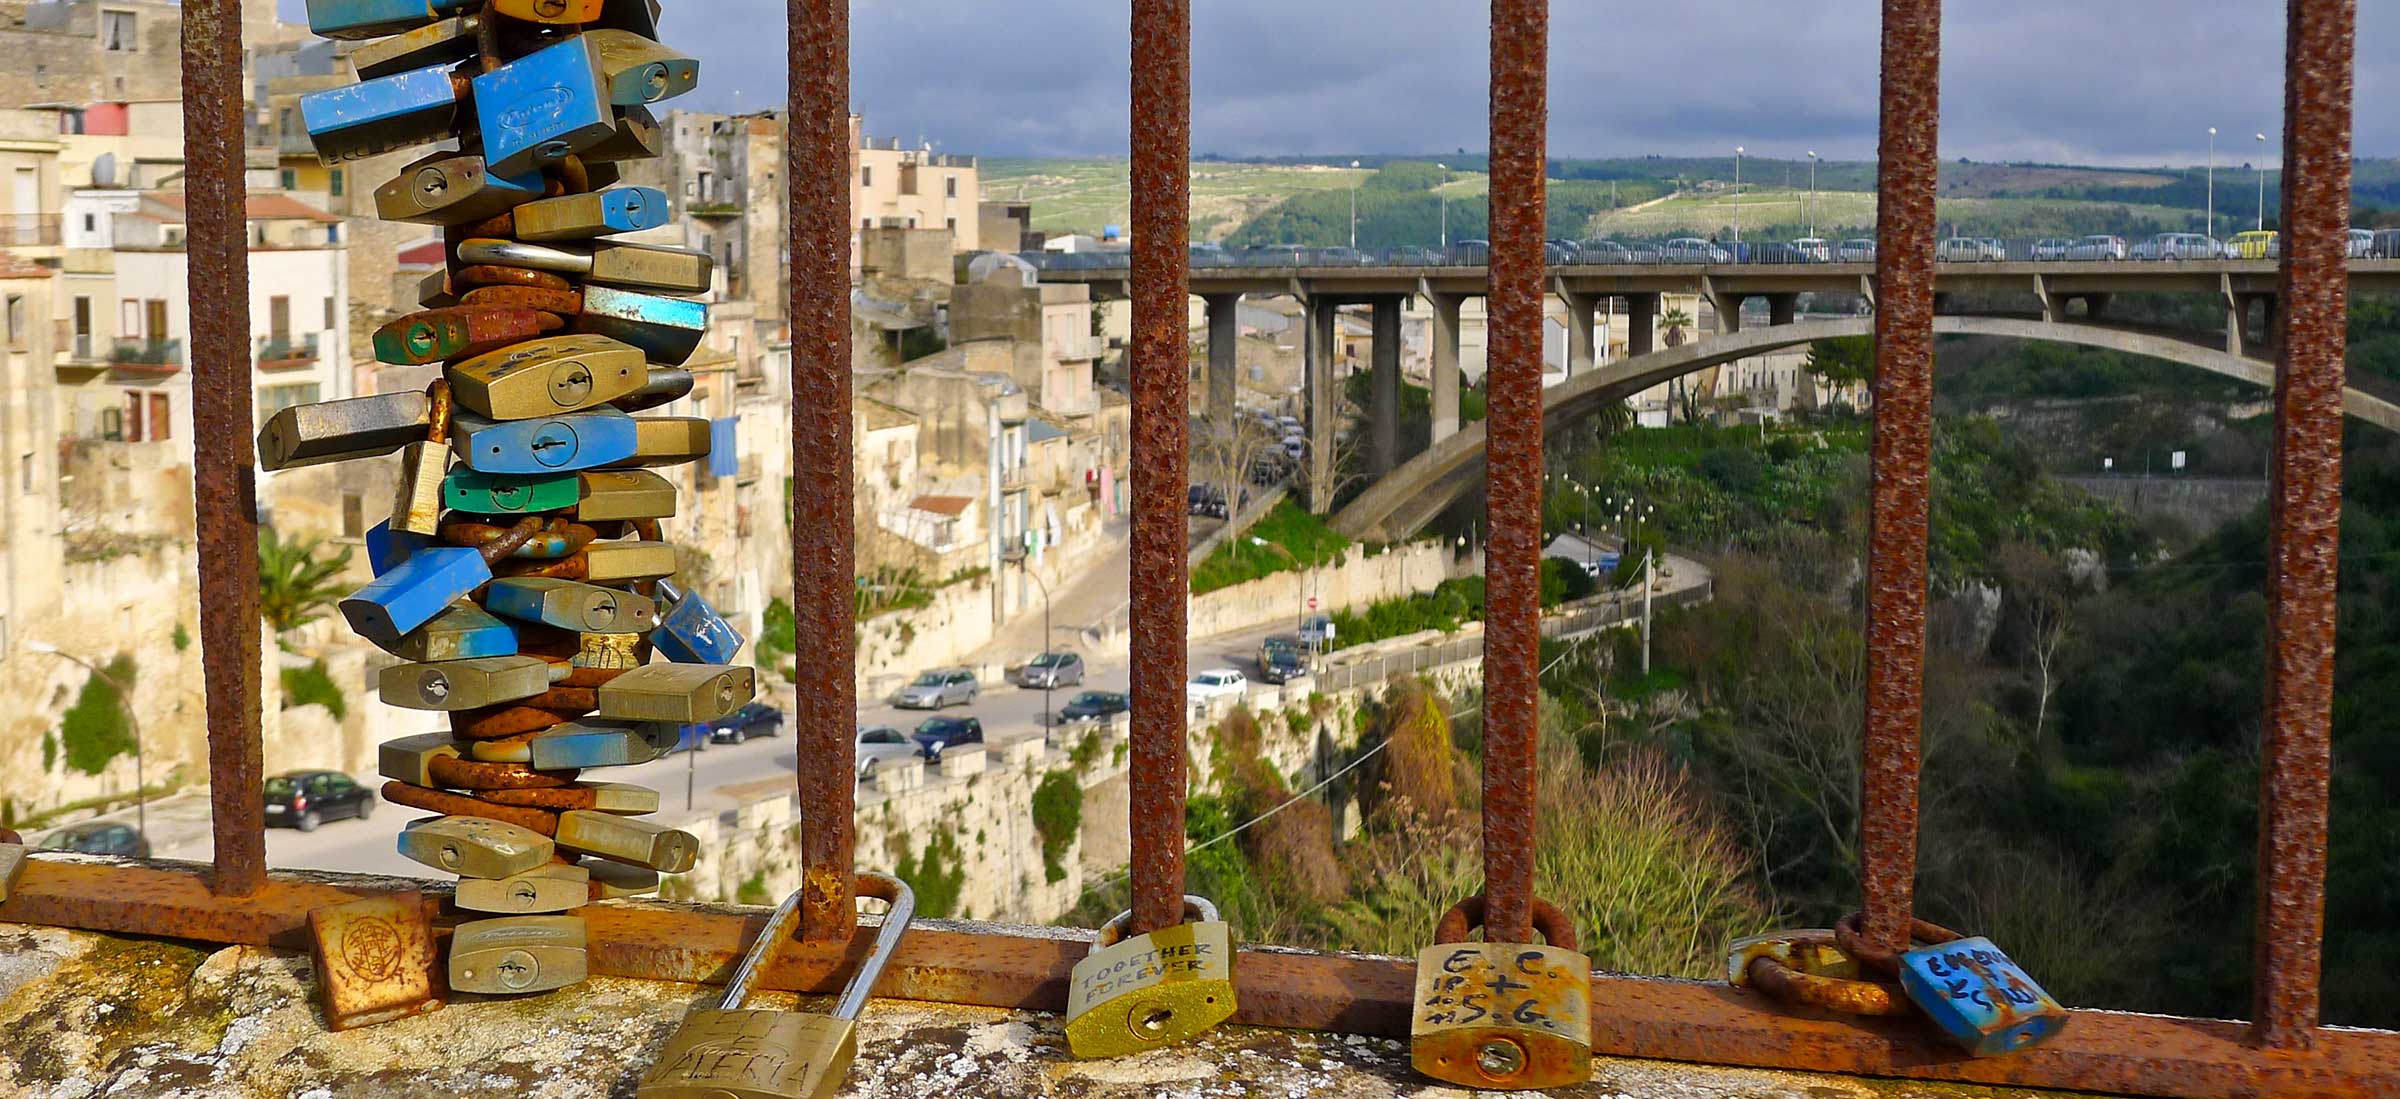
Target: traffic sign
1312, 602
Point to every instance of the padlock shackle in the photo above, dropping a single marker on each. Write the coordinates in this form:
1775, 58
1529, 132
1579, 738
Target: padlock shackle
1849, 934
903, 902
1196, 909
1464, 917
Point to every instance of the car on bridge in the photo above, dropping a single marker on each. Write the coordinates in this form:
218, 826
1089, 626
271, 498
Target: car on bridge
1813, 250
1416, 255
2261, 244
1273, 255
1607, 251
2362, 244
2178, 246
1692, 250
1471, 253
2052, 249
2098, 246
1858, 250
1204, 254
1339, 256
1969, 250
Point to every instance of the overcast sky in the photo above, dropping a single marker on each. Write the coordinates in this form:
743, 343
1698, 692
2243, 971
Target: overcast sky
2131, 82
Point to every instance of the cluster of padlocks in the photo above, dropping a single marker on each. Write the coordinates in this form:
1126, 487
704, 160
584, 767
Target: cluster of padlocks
521, 579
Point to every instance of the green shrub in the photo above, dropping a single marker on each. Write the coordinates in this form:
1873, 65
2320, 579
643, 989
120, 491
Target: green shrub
182, 638
938, 876
1058, 816
95, 730
1293, 539
753, 890
778, 637
302, 686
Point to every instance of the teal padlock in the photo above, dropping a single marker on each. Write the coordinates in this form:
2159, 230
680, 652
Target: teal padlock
509, 494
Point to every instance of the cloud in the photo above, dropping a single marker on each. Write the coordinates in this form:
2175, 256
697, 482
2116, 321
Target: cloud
2133, 82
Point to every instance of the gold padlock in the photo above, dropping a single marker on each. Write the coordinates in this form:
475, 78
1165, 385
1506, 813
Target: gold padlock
667, 441
475, 847
611, 880
518, 954
638, 137
439, 43
463, 684
639, 70
1136, 994
728, 1052
678, 693
627, 840
548, 376
417, 504
1503, 1016
608, 651
374, 960
543, 889
625, 494
12, 863
410, 759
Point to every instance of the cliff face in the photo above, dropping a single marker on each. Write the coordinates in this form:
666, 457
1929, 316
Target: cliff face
86, 1015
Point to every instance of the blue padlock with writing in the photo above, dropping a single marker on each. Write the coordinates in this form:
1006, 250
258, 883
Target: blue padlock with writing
388, 113
351, 20
667, 329
543, 107
1980, 998
692, 632
548, 444
414, 592
387, 548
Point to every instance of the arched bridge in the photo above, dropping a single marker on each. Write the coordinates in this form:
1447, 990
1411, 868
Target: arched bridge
1412, 494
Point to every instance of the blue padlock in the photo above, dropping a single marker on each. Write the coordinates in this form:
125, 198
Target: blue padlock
692, 632
551, 444
543, 107
355, 19
464, 632
1980, 998
414, 592
593, 743
667, 329
387, 548
373, 117
592, 214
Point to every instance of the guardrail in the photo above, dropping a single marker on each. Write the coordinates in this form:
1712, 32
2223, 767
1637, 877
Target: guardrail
1624, 607
1688, 252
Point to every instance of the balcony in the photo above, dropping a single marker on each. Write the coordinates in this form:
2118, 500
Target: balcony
139, 356
285, 353
29, 230
716, 209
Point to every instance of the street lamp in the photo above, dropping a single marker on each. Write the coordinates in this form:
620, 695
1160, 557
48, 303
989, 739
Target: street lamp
1445, 193
1737, 202
2262, 182
1354, 210
1812, 194
1017, 557
2212, 181
141, 807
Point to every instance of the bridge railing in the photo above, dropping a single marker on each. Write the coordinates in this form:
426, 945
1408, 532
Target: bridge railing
1680, 252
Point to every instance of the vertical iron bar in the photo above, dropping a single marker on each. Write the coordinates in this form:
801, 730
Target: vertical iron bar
1907, 157
225, 483
818, 170
1162, 150
2305, 542
1513, 505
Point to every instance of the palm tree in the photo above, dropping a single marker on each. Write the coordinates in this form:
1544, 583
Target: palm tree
294, 584
1675, 321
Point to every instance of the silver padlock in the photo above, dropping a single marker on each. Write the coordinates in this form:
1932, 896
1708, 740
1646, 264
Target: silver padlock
727, 1052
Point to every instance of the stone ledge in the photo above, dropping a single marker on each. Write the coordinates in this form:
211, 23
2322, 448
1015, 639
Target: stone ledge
86, 1015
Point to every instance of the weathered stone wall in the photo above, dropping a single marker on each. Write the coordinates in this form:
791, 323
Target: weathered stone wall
1357, 580
2195, 505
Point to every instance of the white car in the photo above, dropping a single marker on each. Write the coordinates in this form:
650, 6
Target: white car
2098, 246
1216, 683
879, 745
1692, 250
1858, 250
1968, 250
1813, 250
2362, 244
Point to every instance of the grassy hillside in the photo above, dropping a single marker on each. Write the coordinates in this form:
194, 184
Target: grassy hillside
1082, 196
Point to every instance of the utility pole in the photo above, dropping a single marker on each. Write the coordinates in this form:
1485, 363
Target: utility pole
1649, 574
1354, 210
1445, 193
1812, 193
2212, 182
2262, 182
1737, 204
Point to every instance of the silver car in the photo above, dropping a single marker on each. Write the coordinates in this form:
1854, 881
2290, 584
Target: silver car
2052, 248
1051, 670
938, 688
1858, 250
882, 744
2098, 246
1692, 250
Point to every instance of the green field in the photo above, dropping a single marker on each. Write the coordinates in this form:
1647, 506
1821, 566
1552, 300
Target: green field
1852, 213
1082, 196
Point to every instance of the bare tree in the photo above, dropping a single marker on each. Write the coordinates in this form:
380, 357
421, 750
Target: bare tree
2045, 596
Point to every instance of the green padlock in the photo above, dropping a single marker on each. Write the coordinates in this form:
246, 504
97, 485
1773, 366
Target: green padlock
509, 494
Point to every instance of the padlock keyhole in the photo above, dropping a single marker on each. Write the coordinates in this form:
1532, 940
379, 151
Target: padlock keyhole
1154, 1023
1500, 1059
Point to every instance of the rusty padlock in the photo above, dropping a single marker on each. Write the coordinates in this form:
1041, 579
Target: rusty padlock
727, 1052
1505, 1016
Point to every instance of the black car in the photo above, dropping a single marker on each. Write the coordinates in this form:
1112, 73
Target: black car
936, 734
99, 837
1281, 664
305, 799
754, 719
1093, 706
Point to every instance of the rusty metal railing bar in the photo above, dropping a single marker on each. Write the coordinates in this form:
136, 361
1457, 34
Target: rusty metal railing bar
817, 171
1513, 503
1902, 457
225, 483
1160, 360
2305, 540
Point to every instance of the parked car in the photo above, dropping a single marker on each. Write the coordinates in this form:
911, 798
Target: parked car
2362, 244
1415, 255
1858, 250
2260, 244
305, 799
1052, 670
1295, 447
1813, 250
1216, 683
1282, 665
1692, 250
1094, 706
1561, 251
754, 719
2098, 246
1472, 253
2177, 246
1969, 250
881, 744
1274, 255
1206, 500
99, 837
1606, 251
936, 735
1341, 257
938, 688
1316, 633
2050, 249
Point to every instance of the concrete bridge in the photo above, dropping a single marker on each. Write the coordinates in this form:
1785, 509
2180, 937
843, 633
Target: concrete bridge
2070, 299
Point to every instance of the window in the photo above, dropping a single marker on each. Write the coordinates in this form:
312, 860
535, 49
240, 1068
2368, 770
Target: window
129, 318
16, 321
329, 325
117, 32
354, 515
866, 176
912, 223
866, 223
949, 186
279, 318
91, 223
291, 180
335, 187
951, 224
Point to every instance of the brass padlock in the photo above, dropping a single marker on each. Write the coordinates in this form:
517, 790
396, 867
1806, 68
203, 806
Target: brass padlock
410, 759
612, 263
446, 189
518, 954
374, 960
543, 889
639, 70
476, 847
417, 502
678, 693
729, 1052
463, 684
547, 377
614, 651
667, 385
638, 137
564, 13
439, 43
1504, 1016
666, 441
580, 744
627, 562
1140, 993
594, 214
570, 605
627, 840
611, 880
339, 431
12, 864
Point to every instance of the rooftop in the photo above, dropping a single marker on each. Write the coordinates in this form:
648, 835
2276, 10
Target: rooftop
266, 207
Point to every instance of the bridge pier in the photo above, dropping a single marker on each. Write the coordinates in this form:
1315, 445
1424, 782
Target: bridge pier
1781, 308
1384, 386
1445, 363
1224, 344
1582, 313
1641, 324
1727, 304
1324, 399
